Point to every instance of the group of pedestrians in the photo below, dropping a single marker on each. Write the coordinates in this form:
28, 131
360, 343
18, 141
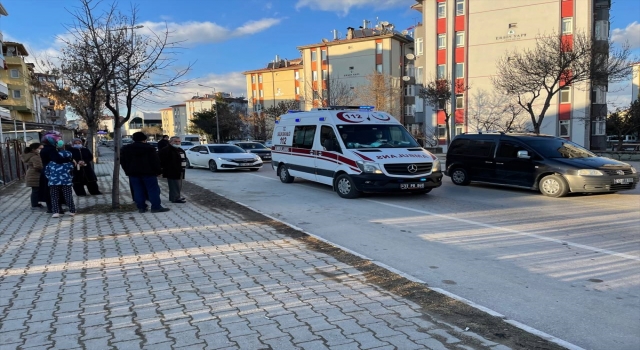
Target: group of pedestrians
143, 164
54, 169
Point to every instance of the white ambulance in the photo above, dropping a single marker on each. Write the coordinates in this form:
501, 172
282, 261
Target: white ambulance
354, 150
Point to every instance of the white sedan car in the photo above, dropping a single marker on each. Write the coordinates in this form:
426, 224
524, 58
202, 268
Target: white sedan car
222, 157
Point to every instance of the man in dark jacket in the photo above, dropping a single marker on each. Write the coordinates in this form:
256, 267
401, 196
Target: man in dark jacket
164, 142
141, 164
173, 160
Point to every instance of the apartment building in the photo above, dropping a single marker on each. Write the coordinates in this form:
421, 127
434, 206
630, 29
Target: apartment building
635, 83
168, 122
142, 120
4, 89
17, 77
349, 63
464, 39
46, 108
208, 102
279, 81
179, 113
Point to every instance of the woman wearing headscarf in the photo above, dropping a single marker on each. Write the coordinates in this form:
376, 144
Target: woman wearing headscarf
31, 158
51, 141
83, 174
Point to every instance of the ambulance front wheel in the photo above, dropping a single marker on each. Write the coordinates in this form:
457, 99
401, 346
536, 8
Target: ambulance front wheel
284, 175
346, 188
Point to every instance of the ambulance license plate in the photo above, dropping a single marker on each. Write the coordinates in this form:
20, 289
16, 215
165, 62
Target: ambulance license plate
411, 186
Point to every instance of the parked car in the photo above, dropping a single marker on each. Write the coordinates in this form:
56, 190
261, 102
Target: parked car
268, 143
185, 145
154, 144
551, 165
257, 148
222, 157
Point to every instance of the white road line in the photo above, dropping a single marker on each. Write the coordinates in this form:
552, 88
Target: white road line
491, 312
522, 233
264, 177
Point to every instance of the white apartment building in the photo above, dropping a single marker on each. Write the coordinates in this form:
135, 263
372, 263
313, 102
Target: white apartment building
465, 38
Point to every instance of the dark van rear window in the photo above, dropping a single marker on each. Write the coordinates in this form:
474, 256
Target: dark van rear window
474, 148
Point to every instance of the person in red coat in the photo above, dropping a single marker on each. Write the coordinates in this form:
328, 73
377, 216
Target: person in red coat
173, 161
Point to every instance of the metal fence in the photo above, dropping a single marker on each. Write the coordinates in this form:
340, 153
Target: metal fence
11, 167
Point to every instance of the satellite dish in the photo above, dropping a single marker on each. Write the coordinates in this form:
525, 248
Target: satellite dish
410, 56
325, 40
385, 23
405, 32
406, 78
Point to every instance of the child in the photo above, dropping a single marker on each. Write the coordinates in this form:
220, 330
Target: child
60, 178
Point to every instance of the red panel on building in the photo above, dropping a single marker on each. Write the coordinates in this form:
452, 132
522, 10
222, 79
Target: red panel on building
440, 117
459, 54
442, 25
379, 58
564, 77
567, 42
442, 0
564, 111
442, 56
459, 116
460, 86
460, 20
567, 8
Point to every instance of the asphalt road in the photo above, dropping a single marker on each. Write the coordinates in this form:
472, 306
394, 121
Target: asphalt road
569, 267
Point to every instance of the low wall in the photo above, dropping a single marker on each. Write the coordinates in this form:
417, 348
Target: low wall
632, 156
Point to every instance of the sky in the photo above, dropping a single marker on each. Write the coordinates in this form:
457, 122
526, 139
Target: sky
223, 38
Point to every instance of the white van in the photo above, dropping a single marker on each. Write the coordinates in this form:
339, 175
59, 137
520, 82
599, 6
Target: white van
193, 138
354, 150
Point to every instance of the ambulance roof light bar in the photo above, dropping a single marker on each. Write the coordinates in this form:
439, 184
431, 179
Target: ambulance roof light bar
333, 108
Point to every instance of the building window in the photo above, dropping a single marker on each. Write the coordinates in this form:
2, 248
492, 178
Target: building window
442, 41
313, 56
459, 129
442, 10
459, 101
565, 95
409, 110
297, 90
599, 94
460, 7
602, 30
379, 68
253, 79
259, 78
314, 75
419, 46
564, 128
255, 93
323, 55
409, 90
459, 39
296, 75
378, 48
410, 70
459, 70
567, 25
599, 127
261, 93
325, 74
15, 73
442, 131
442, 71
17, 94
419, 77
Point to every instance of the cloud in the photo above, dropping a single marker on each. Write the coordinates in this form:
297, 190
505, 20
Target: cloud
193, 33
630, 34
344, 6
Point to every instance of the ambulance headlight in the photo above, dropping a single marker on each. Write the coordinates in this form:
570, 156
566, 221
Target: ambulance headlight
369, 167
436, 166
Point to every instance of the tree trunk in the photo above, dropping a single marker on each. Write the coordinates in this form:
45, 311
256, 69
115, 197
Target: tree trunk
92, 144
115, 186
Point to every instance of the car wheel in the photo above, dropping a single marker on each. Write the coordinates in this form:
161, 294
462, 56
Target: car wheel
213, 166
283, 174
346, 188
425, 191
460, 177
189, 164
553, 186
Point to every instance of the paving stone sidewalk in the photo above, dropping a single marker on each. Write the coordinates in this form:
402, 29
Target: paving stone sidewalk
191, 278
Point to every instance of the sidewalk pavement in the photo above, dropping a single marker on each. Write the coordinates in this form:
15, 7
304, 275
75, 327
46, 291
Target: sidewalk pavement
197, 277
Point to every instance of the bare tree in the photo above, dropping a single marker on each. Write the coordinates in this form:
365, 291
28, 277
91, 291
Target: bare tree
624, 122
495, 112
382, 91
437, 93
134, 65
337, 92
534, 76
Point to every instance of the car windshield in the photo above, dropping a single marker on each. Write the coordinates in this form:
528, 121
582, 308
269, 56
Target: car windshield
376, 136
557, 148
253, 145
226, 149
186, 143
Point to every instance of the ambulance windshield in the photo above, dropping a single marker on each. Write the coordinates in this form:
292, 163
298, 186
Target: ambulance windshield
376, 136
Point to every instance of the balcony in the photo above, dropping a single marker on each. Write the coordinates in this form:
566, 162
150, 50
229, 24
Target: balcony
4, 91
